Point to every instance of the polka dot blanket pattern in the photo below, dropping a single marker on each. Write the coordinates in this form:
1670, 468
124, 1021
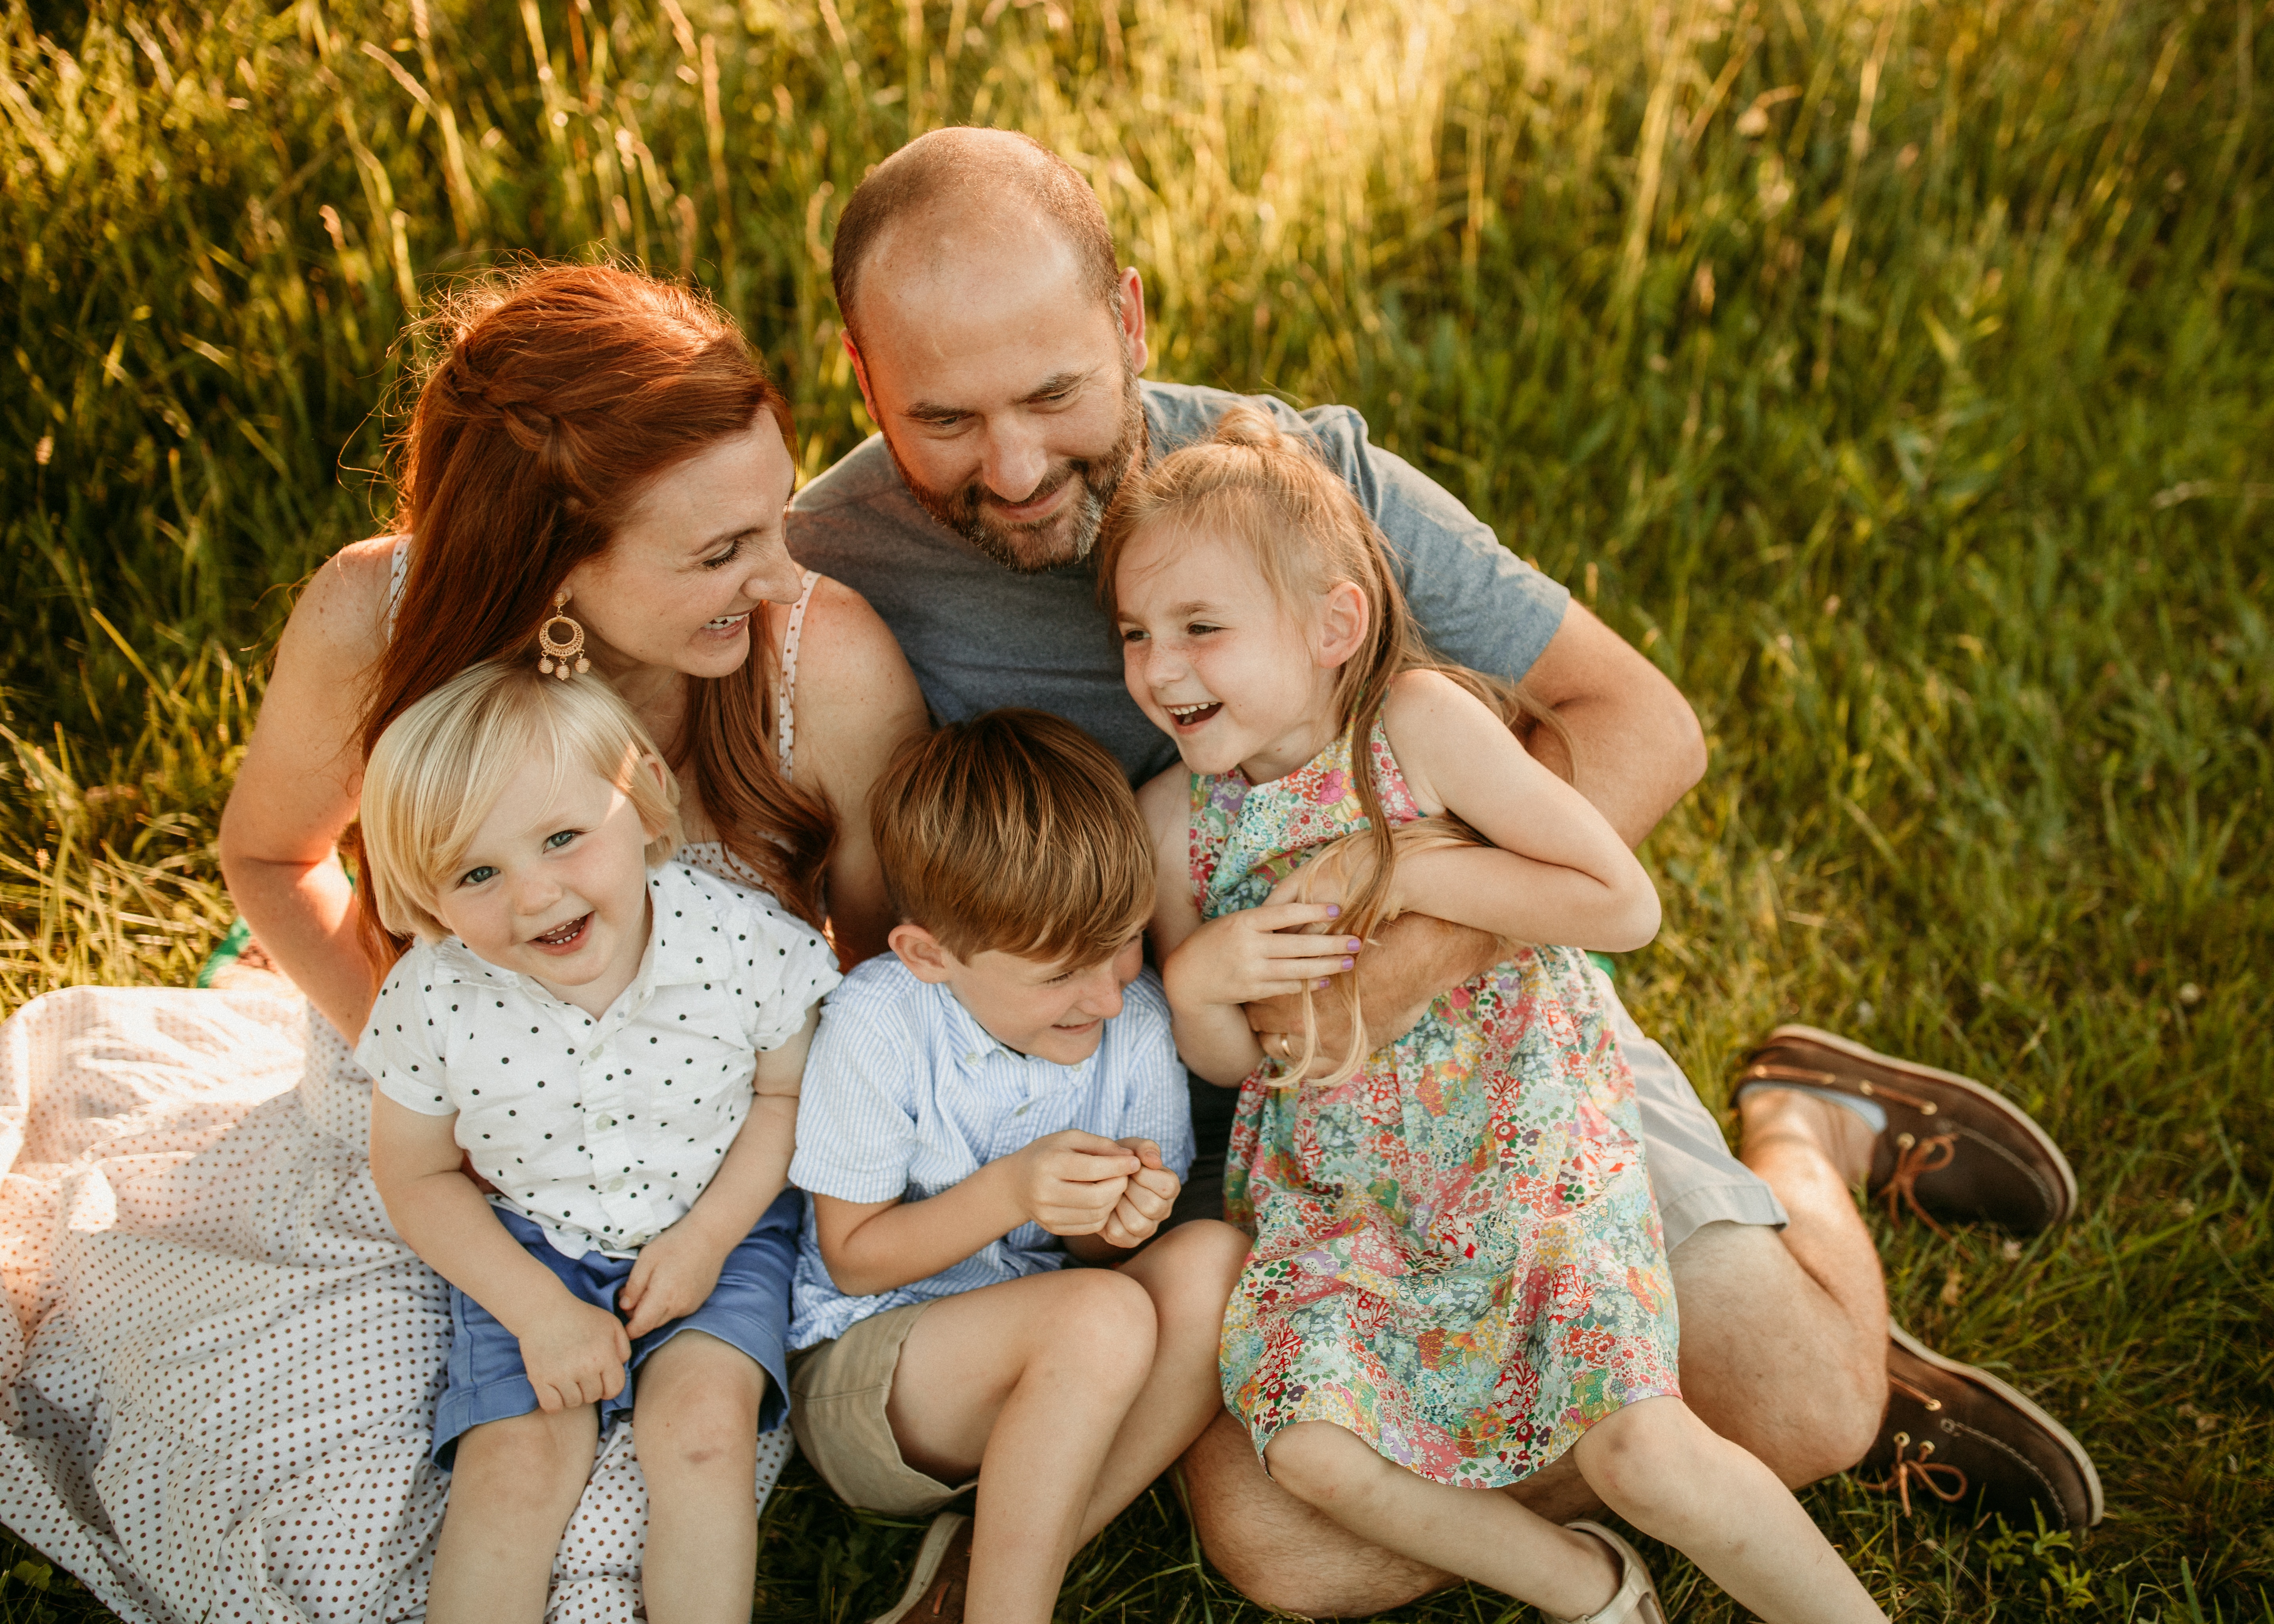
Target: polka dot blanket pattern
218, 1379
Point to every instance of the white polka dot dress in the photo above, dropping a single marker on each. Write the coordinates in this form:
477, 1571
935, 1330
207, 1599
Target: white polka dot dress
217, 1381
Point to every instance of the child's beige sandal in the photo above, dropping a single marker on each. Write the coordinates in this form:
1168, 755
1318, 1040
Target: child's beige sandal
1636, 1600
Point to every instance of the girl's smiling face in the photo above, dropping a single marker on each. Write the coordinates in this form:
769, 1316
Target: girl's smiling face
1220, 662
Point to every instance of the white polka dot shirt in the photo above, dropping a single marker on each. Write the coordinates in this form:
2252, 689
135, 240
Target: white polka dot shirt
907, 1095
603, 1130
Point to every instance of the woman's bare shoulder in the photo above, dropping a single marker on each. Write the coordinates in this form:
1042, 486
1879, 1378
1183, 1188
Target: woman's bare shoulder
343, 605
849, 654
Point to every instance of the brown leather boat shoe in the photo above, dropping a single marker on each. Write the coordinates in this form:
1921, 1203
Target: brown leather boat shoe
1953, 1151
1959, 1435
942, 1575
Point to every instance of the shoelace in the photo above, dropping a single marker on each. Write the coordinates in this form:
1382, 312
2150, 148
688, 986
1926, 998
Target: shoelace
1919, 1469
1914, 1157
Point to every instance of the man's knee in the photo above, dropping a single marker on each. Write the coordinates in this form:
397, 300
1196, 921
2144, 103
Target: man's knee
1798, 1383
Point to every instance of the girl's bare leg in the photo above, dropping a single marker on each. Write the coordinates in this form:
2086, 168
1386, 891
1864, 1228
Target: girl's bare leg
1670, 1475
1477, 1534
695, 1422
515, 1486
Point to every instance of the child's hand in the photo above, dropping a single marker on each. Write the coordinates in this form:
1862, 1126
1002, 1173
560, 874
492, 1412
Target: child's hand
1259, 952
675, 1275
575, 1354
1070, 1183
1145, 1203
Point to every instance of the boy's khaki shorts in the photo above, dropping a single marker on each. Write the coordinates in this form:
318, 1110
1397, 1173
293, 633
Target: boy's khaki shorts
836, 1393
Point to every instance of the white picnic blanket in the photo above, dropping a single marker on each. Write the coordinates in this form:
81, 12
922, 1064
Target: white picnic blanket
216, 1383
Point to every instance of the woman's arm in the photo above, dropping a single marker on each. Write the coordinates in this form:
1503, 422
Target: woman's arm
856, 702
296, 792
1557, 871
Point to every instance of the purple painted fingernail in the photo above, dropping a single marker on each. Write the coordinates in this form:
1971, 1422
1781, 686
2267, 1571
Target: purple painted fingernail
1347, 963
1352, 945
1334, 910
1322, 983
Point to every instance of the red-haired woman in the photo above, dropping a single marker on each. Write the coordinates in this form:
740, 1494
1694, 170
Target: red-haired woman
596, 471
600, 446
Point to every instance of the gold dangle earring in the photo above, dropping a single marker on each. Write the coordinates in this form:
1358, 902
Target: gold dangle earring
554, 655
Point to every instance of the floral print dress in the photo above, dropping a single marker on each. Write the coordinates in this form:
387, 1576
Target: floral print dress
1457, 1256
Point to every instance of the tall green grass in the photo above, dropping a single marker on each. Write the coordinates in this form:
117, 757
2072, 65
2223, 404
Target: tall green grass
1898, 373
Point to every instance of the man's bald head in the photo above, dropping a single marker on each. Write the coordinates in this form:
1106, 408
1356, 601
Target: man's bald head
978, 182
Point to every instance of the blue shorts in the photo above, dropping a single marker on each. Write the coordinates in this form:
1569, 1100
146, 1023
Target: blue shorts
748, 1310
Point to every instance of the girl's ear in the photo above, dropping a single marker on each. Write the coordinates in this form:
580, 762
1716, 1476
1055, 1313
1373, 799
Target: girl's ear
920, 951
1344, 618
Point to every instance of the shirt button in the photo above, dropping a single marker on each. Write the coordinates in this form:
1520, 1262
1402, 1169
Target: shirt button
604, 1122
614, 1185
1022, 1111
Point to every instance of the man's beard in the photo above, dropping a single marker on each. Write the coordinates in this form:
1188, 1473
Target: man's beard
1023, 547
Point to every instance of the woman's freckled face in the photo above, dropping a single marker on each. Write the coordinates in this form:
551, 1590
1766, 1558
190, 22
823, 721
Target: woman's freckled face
697, 554
1214, 657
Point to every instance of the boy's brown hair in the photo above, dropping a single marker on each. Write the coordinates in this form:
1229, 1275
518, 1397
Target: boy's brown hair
1014, 833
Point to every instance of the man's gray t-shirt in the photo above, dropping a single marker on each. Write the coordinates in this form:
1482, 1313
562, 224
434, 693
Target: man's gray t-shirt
979, 636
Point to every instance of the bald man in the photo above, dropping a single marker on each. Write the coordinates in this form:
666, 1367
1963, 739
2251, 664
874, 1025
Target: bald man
1000, 347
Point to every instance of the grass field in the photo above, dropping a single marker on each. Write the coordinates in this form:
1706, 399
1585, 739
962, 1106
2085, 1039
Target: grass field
1898, 373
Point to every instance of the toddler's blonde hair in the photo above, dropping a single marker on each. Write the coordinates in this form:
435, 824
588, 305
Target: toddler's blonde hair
439, 770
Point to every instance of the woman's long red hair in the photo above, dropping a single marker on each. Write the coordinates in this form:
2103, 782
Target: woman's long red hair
558, 393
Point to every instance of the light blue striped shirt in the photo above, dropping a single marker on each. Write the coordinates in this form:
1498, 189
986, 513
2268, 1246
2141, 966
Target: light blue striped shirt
905, 1095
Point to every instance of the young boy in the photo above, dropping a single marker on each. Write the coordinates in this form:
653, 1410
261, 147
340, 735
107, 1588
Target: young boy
997, 1097
613, 1041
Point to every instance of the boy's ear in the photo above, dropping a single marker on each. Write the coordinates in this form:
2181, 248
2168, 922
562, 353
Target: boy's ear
1344, 620
920, 951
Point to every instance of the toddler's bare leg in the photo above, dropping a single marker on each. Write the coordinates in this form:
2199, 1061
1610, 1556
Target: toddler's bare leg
694, 1420
1026, 1383
1670, 1475
1485, 1537
515, 1486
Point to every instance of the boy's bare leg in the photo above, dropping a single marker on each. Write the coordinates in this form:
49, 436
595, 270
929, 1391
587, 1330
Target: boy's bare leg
1189, 1273
1026, 1384
514, 1485
694, 1423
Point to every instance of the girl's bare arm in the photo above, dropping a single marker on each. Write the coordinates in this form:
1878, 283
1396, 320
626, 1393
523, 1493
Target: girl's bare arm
1556, 871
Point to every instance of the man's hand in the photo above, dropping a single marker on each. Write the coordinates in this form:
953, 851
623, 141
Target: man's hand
1144, 1204
1071, 1182
575, 1354
1412, 959
675, 1275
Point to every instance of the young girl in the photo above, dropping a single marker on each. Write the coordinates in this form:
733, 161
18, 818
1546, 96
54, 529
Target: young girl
1458, 1273
612, 1041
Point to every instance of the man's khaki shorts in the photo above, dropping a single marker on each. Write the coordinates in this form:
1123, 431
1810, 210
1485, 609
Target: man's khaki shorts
836, 1393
